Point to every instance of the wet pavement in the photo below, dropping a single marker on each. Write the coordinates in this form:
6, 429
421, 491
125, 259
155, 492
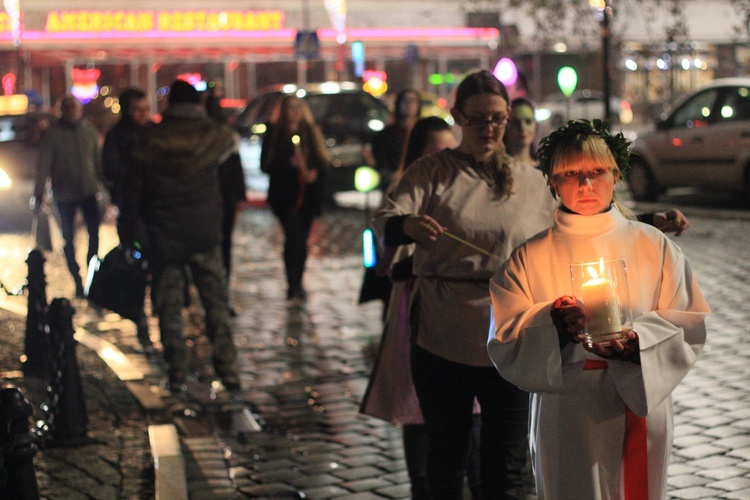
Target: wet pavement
304, 368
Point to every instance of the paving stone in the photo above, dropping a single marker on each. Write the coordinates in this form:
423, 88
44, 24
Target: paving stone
731, 484
685, 481
695, 493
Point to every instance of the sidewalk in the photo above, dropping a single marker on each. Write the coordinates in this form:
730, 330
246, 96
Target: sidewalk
304, 368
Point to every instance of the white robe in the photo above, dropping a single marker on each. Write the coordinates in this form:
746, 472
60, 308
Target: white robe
577, 417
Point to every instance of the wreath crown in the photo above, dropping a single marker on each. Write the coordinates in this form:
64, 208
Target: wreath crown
618, 145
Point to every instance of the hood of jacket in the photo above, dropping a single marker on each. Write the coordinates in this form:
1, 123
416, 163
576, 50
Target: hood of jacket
184, 136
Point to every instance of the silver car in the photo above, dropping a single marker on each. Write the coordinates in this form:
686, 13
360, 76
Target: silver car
703, 143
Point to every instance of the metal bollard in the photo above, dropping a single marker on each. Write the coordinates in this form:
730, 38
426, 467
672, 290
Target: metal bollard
18, 448
36, 347
66, 416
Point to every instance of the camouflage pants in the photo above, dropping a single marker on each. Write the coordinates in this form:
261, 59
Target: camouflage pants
168, 295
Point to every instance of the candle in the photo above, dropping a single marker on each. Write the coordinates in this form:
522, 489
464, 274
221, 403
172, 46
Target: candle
600, 302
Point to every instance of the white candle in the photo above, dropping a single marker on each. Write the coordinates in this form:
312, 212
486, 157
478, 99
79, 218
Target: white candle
600, 302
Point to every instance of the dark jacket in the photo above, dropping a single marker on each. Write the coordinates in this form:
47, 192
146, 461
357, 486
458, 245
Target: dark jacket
69, 155
172, 202
116, 156
285, 187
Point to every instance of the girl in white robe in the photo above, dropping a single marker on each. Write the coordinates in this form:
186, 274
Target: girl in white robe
585, 399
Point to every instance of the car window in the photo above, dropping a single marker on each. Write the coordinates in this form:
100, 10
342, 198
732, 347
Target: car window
259, 110
734, 105
696, 112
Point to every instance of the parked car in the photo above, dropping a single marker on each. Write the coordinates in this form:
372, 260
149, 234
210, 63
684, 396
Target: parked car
556, 110
347, 115
19, 139
704, 143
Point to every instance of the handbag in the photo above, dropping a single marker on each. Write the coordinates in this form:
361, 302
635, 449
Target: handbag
118, 282
40, 230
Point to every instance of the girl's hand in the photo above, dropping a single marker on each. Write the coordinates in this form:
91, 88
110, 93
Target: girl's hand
625, 350
568, 317
422, 228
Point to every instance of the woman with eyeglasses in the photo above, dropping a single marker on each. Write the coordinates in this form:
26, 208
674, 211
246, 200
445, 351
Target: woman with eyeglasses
466, 209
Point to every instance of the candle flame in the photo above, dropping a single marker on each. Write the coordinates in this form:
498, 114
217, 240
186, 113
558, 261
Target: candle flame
592, 270
295, 139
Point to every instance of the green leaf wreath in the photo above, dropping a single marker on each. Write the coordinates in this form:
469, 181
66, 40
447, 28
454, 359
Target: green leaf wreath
617, 144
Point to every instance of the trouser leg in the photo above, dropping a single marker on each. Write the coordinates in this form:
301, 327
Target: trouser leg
67, 210
208, 275
415, 453
92, 218
296, 231
503, 436
167, 295
446, 402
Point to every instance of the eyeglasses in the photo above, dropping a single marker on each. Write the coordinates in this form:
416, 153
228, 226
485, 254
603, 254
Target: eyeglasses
496, 121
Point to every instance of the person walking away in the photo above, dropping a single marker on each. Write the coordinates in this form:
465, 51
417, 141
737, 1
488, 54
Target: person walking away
171, 208
480, 196
69, 157
606, 406
135, 113
295, 157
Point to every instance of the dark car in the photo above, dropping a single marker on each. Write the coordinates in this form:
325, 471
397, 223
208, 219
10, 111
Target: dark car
347, 115
704, 143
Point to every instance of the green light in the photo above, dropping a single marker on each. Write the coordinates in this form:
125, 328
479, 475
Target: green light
369, 252
366, 179
450, 78
435, 79
567, 79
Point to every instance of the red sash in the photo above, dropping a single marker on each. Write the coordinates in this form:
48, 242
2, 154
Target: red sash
635, 449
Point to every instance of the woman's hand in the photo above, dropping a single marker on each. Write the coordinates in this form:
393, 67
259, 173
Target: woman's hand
298, 161
625, 350
672, 221
568, 317
422, 228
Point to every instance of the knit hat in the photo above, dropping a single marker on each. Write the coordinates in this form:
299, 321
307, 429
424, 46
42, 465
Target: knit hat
182, 92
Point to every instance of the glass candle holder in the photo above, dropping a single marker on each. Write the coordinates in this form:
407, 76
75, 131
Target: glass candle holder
602, 287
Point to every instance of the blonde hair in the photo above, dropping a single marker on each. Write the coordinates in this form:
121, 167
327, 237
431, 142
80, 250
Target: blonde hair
312, 140
587, 147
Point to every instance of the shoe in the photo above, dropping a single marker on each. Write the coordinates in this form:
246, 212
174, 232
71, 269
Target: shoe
231, 382
177, 382
296, 294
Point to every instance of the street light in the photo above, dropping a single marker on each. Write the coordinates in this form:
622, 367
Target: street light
603, 14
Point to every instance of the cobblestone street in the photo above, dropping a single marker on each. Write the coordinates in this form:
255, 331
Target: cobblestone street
305, 367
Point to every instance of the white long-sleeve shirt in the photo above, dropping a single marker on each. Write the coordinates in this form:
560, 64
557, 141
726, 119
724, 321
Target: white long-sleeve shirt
577, 417
451, 300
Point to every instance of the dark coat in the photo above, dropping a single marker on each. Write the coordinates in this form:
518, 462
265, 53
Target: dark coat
172, 201
284, 184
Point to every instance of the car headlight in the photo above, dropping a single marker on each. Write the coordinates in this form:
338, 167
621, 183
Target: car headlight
5, 181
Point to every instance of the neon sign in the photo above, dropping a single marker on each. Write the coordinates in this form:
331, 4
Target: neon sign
84, 84
92, 21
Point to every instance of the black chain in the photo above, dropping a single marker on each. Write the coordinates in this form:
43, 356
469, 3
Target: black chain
16, 291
